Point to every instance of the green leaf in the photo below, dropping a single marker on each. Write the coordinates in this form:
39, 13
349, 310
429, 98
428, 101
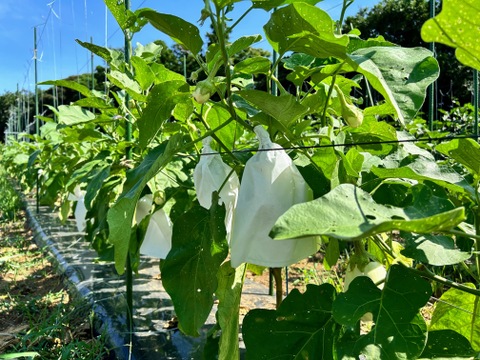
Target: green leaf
242, 43
446, 344
17, 355
118, 10
85, 91
423, 169
370, 135
437, 250
143, 73
123, 81
401, 75
229, 293
457, 25
253, 65
215, 115
399, 331
459, 311
285, 108
162, 74
160, 103
349, 213
464, 151
93, 102
302, 327
271, 4
73, 115
114, 58
181, 31
222, 3
199, 247
332, 254
120, 216
95, 184
305, 28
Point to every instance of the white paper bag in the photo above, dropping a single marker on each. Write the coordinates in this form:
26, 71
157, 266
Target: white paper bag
209, 175
270, 185
80, 213
158, 237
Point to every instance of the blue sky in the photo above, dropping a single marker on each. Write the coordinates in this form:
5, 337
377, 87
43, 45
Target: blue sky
60, 22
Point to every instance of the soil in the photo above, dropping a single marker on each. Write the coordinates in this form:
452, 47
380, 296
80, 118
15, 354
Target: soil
30, 290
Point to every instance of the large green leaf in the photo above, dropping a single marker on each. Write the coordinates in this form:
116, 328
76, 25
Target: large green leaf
181, 31
272, 4
72, 115
305, 28
143, 73
349, 213
457, 25
74, 85
199, 246
438, 250
401, 75
115, 58
423, 169
458, 311
215, 115
118, 10
121, 213
123, 81
253, 65
242, 43
302, 327
284, 108
229, 294
447, 344
161, 101
399, 331
464, 151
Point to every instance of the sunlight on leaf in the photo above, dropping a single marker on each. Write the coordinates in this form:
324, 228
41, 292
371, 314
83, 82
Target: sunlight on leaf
458, 26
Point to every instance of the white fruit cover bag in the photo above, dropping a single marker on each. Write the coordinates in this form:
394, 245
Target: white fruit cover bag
270, 185
209, 175
80, 213
158, 237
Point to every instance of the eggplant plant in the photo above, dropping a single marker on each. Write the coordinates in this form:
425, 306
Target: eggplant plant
363, 181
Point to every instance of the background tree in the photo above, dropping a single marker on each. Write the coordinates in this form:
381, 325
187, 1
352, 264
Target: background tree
400, 21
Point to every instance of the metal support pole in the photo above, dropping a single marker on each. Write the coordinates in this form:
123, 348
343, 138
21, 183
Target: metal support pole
431, 88
128, 138
475, 105
36, 79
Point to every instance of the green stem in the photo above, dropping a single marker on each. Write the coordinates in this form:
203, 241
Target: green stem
241, 18
346, 4
477, 228
277, 275
329, 95
424, 272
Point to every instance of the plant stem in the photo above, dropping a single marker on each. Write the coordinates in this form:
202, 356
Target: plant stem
277, 275
424, 272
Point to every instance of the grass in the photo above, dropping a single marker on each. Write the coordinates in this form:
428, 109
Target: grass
39, 317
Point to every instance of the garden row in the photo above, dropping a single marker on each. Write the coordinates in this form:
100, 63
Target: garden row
214, 176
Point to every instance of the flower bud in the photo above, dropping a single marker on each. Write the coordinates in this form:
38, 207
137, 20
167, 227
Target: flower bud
352, 115
203, 91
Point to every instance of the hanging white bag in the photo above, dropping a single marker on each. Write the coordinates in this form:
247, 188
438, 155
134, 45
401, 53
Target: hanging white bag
80, 212
158, 237
209, 175
271, 184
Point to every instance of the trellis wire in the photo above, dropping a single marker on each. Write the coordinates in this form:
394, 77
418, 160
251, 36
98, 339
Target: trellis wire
333, 145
